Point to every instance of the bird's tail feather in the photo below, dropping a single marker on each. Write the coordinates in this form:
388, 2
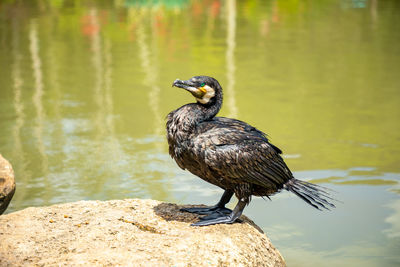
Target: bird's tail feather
315, 195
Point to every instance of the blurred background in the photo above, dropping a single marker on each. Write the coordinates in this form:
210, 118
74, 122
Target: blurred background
85, 87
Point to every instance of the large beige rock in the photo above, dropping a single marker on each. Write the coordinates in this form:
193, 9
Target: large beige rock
129, 232
7, 184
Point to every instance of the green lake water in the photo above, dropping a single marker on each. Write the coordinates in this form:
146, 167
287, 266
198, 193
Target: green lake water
85, 87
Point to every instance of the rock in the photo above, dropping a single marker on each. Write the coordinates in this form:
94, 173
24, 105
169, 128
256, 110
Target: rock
7, 184
128, 232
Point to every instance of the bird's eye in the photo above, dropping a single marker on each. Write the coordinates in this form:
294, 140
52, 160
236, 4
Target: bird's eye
202, 84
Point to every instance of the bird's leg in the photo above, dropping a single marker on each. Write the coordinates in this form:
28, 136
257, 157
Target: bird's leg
231, 218
218, 209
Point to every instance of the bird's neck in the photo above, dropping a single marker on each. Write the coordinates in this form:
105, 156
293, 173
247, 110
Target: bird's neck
209, 110
185, 119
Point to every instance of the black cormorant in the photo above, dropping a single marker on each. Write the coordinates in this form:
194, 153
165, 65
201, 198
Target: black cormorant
229, 153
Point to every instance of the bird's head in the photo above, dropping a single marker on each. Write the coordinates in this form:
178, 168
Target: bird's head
203, 88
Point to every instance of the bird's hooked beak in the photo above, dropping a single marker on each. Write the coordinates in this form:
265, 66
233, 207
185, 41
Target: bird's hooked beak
190, 86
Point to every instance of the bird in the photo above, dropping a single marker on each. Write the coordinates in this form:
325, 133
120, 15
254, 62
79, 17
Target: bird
230, 154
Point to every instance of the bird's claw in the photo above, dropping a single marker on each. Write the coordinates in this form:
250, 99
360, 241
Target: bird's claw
224, 219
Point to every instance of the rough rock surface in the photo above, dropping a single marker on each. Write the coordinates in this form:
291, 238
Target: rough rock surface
7, 184
128, 232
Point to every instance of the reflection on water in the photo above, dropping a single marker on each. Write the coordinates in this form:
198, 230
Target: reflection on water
38, 94
17, 83
394, 220
150, 71
230, 59
85, 88
106, 151
17, 88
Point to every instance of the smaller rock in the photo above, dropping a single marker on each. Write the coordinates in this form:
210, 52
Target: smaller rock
7, 184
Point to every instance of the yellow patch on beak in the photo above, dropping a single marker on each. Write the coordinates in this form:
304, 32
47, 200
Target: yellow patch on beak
202, 89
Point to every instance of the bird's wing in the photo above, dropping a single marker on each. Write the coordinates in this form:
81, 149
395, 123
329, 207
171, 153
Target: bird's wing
242, 154
237, 125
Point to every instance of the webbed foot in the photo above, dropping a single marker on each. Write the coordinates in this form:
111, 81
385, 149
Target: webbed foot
208, 210
224, 219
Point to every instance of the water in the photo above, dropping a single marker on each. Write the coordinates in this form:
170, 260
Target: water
86, 85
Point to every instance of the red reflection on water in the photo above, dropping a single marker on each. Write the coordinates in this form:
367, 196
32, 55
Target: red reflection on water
215, 8
89, 26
